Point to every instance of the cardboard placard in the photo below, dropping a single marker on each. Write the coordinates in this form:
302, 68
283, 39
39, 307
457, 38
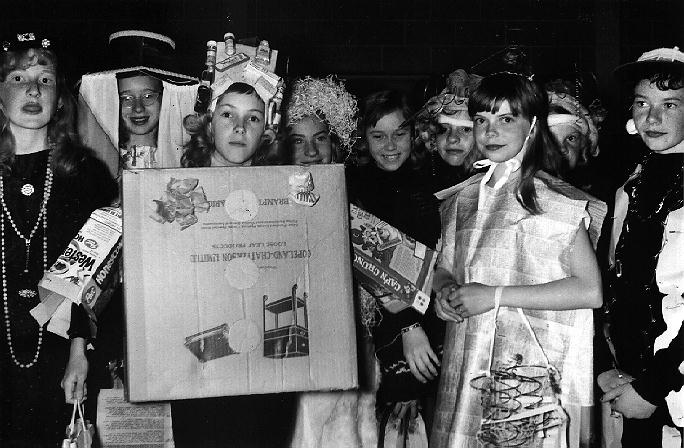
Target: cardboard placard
232, 287
393, 267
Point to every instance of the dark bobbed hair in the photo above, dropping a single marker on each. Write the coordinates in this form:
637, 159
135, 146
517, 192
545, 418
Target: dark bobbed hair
665, 76
61, 128
373, 108
528, 100
197, 152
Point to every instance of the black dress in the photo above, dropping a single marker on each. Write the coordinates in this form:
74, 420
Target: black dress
33, 411
404, 199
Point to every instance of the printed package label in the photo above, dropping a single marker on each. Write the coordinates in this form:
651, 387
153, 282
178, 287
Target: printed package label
393, 267
237, 281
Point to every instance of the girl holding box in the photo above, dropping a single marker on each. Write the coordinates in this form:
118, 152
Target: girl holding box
49, 187
395, 187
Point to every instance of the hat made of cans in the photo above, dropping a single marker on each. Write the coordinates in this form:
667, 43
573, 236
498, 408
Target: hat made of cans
252, 65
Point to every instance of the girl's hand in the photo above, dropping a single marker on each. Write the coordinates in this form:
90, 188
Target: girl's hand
422, 360
76, 372
613, 378
443, 308
472, 299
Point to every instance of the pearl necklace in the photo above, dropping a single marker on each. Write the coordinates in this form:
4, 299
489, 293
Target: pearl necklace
42, 217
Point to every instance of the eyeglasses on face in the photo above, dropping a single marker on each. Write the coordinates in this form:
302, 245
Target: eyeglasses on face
147, 99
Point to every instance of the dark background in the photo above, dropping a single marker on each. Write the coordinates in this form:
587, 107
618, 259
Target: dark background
372, 44
395, 39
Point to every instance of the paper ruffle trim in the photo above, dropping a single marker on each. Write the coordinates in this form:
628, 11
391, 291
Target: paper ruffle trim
328, 100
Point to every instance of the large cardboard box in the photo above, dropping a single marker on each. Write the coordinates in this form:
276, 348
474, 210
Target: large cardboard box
237, 281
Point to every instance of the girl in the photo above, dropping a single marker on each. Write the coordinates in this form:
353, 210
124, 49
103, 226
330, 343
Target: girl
447, 129
515, 237
320, 119
49, 187
395, 187
139, 110
232, 133
235, 132
645, 256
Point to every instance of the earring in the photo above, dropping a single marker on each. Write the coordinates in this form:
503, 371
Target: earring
630, 126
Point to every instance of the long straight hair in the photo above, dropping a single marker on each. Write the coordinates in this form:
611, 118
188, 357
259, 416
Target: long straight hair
61, 128
528, 100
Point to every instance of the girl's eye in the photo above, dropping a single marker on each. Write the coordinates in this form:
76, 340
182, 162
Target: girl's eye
226, 114
441, 129
377, 136
322, 138
47, 80
254, 119
297, 141
17, 78
670, 105
639, 103
467, 130
478, 120
571, 138
506, 120
401, 133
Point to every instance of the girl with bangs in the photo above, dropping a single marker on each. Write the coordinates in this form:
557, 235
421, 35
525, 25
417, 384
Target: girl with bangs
516, 280
49, 187
233, 132
394, 184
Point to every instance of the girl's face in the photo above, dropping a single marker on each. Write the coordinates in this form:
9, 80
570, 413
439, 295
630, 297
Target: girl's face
238, 128
388, 143
658, 116
140, 104
571, 142
454, 142
500, 136
309, 141
28, 95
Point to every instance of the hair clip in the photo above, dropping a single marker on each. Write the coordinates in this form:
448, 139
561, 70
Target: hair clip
26, 37
45, 43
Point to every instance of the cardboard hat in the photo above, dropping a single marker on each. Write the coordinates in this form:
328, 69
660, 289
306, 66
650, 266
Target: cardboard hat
149, 53
253, 66
660, 59
135, 52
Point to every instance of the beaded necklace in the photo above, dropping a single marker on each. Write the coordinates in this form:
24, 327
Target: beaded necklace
42, 218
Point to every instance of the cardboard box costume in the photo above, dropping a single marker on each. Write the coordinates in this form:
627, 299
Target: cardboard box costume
237, 282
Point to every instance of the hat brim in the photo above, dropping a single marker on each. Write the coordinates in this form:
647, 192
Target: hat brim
634, 71
170, 77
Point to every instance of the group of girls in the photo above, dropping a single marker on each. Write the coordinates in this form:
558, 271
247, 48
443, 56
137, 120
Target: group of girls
515, 282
